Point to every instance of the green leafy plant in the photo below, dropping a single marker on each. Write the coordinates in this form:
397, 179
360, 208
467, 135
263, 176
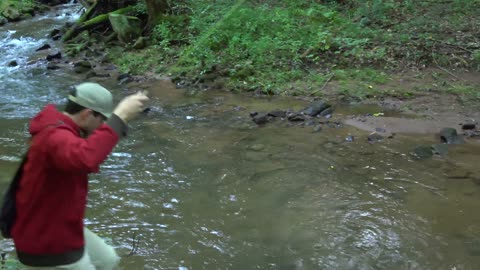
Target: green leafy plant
292, 47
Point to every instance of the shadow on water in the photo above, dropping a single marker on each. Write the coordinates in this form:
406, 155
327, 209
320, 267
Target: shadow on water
198, 185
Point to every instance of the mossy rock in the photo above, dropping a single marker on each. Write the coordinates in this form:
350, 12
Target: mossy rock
3, 20
11, 13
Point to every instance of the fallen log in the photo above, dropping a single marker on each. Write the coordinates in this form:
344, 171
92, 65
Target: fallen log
84, 23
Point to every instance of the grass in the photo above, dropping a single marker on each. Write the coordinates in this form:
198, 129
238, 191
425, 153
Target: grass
294, 47
465, 90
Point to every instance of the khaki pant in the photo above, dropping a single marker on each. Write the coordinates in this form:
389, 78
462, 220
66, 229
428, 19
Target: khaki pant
98, 256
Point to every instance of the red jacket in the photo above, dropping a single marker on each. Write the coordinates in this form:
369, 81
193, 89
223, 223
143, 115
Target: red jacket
52, 195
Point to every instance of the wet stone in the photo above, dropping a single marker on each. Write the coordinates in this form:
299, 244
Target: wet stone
296, 117
281, 114
260, 119
450, 136
327, 112
3, 20
52, 66
374, 138
57, 55
471, 133
423, 152
123, 76
85, 64
257, 147
92, 73
317, 128
43, 47
440, 149
54, 32
316, 107
309, 122
13, 63
469, 126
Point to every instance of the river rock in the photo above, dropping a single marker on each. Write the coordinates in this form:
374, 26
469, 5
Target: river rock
317, 128
260, 119
82, 66
57, 55
3, 20
296, 117
92, 73
25, 16
43, 47
450, 136
11, 13
281, 114
13, 63
423, 152
374, 137
52, 66
327, 112
257, 147
310, 122
471, 133
469, 126
440, 149
124, 78
54, 32
316, 108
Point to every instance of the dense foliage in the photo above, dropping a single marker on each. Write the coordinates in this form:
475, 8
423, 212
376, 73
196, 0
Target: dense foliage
296, 47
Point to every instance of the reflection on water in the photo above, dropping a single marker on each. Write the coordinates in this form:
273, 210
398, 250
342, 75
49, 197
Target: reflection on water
197, 185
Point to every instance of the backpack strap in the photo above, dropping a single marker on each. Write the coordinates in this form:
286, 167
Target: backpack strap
8, 209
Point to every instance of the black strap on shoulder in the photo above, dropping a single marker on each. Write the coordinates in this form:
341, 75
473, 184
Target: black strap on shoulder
8, 210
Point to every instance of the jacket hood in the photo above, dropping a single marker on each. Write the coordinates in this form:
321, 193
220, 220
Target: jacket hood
50, 116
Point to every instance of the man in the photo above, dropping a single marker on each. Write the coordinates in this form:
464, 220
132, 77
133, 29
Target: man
51, 198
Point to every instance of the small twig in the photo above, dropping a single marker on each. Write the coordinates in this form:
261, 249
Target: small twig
443, 69
324, 85
135, 243
453, 45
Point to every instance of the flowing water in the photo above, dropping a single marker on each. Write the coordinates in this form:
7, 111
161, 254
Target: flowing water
197, 185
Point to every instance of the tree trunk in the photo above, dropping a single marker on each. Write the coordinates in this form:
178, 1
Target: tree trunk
155, 9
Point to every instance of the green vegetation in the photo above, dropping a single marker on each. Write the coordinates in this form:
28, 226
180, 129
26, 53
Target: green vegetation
311, 47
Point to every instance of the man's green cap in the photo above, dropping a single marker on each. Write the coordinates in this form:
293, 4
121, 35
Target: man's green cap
95, 97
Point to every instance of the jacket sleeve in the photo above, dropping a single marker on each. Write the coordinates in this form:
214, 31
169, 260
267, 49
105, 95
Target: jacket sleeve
68, 152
